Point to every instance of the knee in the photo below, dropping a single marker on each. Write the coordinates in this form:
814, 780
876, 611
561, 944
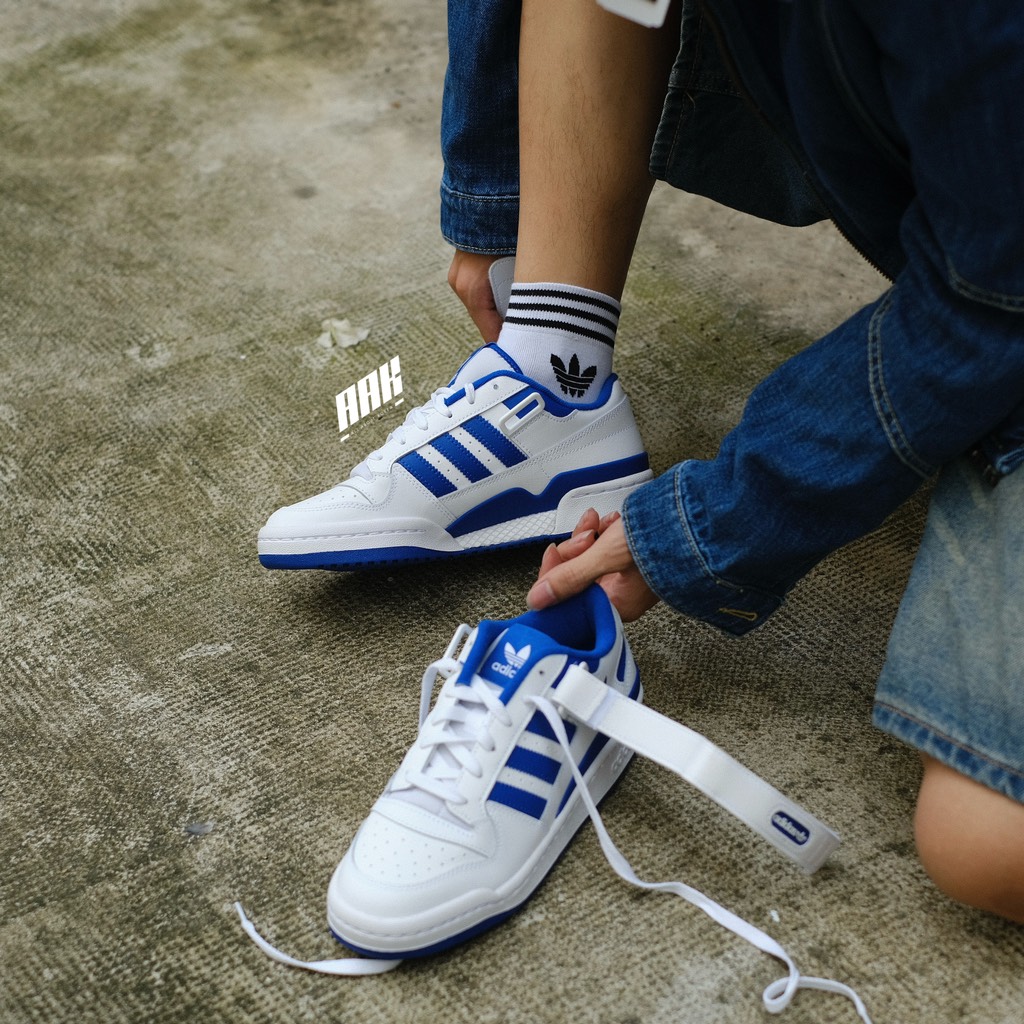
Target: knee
971, 841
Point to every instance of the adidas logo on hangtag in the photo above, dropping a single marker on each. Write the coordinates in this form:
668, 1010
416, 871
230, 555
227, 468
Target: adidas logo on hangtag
514, 660
791, 828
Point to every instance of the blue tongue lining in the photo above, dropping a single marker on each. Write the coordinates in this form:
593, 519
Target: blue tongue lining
509, 660
503, 653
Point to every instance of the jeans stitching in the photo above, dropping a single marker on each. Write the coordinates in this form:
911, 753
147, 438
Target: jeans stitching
999, 300
476, 198
884, 408
684, 519
946, 738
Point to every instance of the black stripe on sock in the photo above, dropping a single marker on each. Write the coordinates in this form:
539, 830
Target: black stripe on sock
555, 293
583, 332
582, 314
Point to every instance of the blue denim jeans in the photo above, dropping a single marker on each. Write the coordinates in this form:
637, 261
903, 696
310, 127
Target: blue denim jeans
480, 127
953, 681
841, 434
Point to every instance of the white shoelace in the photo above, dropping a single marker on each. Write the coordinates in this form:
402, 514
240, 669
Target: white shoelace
452, 735
779, 994
417, 419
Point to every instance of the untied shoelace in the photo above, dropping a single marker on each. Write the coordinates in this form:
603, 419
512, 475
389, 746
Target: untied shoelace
776, 997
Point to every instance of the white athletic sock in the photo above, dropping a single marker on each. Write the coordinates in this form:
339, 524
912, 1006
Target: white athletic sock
562, 336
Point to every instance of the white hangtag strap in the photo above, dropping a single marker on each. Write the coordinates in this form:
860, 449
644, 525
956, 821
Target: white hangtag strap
649, 13
779, 994
348, 967
779, 820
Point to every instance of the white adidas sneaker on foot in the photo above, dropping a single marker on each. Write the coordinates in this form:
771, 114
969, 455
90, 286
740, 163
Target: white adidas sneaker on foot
492, 460
484, 802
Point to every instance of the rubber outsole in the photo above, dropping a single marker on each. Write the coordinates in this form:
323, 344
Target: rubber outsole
349, 561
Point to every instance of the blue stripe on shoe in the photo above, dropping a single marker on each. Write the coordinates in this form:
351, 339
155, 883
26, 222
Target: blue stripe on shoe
494, 441
513, 400
531, 763
587, 760
620, 670
433, 479
539, 726
518, 800
519, 502
461, 458
437, 947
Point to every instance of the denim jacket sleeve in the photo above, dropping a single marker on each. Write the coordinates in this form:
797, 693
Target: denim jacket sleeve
829, 445
480, 127
841, 434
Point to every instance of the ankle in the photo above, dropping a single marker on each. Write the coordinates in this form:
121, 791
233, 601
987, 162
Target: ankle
562, 336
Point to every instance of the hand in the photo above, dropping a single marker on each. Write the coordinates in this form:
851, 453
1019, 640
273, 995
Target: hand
596, 551
468, 278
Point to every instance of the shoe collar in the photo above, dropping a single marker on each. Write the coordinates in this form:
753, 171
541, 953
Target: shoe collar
584, 628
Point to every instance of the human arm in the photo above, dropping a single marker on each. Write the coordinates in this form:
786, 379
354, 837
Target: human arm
828, 446
841, 434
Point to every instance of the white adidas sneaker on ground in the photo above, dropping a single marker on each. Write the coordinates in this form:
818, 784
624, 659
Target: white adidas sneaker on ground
484, 802
492, 460
535, 722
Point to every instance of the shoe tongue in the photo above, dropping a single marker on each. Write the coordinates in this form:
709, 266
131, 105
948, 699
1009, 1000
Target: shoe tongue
503, 663
508, 661
482, 362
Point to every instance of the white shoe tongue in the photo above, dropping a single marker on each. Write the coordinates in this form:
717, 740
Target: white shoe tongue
482, 362
504, 663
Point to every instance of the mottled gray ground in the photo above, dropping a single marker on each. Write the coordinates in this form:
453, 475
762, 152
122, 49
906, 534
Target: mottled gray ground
187, 189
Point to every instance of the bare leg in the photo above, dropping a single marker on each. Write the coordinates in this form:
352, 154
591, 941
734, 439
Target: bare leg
971, 841
591, 86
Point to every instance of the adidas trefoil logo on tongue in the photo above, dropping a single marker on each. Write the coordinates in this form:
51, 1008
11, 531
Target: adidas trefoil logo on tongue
514, 660
573, 382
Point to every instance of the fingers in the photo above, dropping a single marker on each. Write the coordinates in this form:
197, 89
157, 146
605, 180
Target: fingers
588, 521
468, 278
560, 579
583, 535
556, 554
488, 322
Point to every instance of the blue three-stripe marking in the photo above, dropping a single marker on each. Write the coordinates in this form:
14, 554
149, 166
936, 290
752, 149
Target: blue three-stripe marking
494, 441
461, 457
433, 479
518, 800
531, 763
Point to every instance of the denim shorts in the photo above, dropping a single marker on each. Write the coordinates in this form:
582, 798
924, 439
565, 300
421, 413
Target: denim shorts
953, 680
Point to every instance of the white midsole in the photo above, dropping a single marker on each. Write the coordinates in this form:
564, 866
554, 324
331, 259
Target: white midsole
371, 534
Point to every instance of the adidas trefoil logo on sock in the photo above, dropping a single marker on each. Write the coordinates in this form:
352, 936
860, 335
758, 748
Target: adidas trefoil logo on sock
574, 383
514, 660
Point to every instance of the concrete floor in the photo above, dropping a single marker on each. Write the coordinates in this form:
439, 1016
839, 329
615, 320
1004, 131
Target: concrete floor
188, 189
